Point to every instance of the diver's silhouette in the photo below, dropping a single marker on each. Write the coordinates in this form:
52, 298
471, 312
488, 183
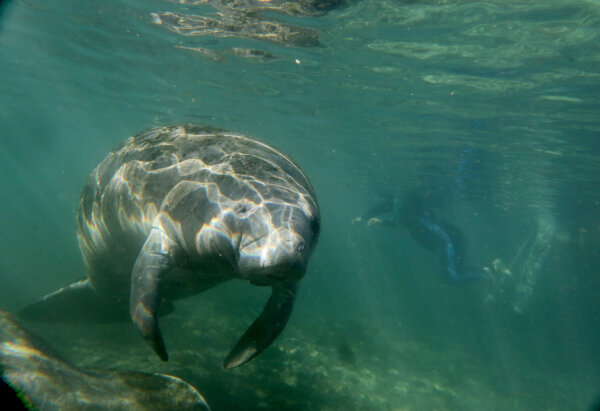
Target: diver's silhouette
412, 211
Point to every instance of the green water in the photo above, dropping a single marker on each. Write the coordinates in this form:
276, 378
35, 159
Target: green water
493, 106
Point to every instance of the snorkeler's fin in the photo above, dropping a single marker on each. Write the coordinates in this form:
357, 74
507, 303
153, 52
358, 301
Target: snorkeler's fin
469, 275
266, 327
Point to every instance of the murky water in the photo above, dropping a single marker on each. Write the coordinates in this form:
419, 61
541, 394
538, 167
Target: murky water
489, 110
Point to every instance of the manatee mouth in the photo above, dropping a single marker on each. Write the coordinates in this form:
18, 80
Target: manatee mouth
271, 275
267, 280
263, 280
251, 241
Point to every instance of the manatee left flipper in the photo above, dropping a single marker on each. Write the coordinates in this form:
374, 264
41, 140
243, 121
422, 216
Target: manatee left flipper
266, 327
153, 262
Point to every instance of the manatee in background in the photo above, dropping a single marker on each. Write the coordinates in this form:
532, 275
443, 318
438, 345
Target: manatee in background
45, 381
179, 209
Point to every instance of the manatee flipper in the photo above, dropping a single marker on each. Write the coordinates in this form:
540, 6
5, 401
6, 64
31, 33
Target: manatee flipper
266, 327
75, 303
153, 262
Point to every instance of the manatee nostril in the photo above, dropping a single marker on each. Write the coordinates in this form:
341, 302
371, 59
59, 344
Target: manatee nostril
300, 246
241, 209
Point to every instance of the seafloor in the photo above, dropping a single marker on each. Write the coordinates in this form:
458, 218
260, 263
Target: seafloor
315, 365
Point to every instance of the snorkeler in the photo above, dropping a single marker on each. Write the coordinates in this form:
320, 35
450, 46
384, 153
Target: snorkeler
411, 211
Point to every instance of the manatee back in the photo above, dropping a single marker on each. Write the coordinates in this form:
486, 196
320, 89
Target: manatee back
128, 188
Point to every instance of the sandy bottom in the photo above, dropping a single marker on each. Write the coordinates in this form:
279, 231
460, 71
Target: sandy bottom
322, 367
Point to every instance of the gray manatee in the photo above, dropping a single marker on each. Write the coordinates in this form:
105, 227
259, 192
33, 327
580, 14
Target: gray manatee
176, 210
45, 381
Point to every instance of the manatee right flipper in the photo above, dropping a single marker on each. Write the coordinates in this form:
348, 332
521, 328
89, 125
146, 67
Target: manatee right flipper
75, 303
269, 324
153, 262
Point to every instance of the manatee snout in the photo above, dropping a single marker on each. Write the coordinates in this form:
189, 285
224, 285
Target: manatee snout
281, 255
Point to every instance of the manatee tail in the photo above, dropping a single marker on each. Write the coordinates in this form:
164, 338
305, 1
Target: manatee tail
75, 303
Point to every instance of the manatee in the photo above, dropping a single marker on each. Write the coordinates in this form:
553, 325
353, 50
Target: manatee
177, 210
43, 380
